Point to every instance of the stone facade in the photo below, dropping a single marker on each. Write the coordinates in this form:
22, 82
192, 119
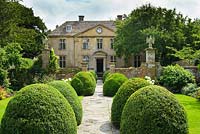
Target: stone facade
85, 43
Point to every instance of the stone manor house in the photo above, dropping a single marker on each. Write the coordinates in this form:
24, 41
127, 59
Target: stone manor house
87, 42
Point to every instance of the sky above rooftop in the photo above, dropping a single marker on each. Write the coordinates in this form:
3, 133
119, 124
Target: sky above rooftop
56, 12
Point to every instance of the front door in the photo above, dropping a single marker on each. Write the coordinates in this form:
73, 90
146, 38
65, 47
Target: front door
99, 65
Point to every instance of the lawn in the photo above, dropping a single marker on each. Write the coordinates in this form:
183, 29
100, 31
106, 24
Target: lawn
192, 107
3, 104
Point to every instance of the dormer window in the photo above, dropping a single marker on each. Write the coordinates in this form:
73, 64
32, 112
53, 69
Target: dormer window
69, 28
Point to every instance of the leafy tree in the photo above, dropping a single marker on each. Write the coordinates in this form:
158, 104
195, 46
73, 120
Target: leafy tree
165, 25
20, 25
187, 53
192, 33
190, 52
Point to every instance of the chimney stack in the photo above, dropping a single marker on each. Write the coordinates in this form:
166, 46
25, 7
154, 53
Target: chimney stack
81, 17
119, 17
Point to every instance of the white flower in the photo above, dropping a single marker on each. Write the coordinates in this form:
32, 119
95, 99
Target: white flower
147, 78
153, 81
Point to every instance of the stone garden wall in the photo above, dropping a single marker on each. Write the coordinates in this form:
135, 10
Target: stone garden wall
146, 69
150, 70
194, 70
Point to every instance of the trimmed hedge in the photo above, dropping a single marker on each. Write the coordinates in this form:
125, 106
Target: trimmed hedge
175, 78
38, 109
84, 83
70, 94
122, 95
153, 110
105, 75
112, 84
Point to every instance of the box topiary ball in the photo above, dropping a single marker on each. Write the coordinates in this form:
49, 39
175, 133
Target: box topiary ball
38, 109
112, 84
153, 110
94, 74
70, 94
84, 83
105, 75
122, 95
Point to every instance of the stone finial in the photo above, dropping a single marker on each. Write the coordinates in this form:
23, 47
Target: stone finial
150, 40
112, 67
84, 66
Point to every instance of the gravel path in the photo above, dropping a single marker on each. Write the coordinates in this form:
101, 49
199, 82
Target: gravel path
96, 113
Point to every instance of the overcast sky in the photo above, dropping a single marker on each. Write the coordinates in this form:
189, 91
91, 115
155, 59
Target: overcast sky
56, 12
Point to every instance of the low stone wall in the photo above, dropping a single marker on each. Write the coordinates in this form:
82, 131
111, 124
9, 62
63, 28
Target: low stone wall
152, 70
67, 73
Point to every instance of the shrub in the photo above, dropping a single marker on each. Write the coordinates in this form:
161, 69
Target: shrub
153, 110
197, 95
112, 84
190, 89
38, 109
175, 78
93, 74
3, 93
122, 95
105, 75
84, 83
4, 81
70, 94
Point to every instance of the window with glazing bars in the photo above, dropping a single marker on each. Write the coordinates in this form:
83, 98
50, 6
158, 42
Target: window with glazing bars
62, 61
62, 44
99, 43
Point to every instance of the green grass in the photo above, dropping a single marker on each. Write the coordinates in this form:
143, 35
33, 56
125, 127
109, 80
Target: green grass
192, 107
3, 104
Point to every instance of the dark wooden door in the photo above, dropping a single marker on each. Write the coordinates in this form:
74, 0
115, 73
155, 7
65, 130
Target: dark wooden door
99, 65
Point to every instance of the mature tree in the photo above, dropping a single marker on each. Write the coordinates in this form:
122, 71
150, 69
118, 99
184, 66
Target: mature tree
19, 25
166, 25
190, 52
192, 33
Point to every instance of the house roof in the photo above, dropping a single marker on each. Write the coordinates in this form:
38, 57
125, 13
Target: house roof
80, 26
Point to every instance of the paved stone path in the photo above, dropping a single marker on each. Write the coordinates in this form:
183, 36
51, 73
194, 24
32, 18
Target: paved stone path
96, 113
